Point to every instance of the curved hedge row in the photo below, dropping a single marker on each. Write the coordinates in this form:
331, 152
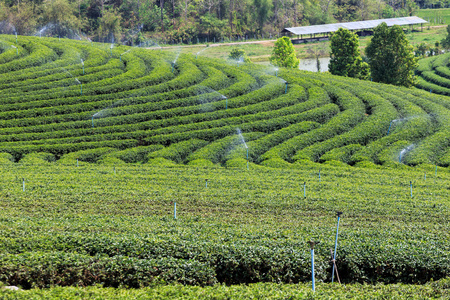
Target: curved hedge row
138, 97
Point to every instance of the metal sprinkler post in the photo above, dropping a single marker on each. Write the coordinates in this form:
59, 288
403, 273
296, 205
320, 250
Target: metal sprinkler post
285, 91
339, 213
410, 184
92, 121
206, 183
312, 244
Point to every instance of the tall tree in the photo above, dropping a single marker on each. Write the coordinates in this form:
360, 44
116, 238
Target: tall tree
345, 57
283, 54
445, 43
391, 57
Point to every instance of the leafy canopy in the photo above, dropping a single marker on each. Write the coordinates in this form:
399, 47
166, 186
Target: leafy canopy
238, 54
345, 57
391, 57
283, 54
446, 42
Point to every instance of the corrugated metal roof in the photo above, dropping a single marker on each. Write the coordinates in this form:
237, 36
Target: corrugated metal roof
354, 25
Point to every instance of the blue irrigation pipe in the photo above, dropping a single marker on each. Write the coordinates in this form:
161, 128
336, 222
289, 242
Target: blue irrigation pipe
206, 180
389, 128
285, 91
226, 103
410, 184
312, 269
335, 243
92, 121
174, 210
435, 171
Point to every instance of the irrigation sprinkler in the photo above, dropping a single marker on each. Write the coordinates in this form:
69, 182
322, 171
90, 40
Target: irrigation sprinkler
312, 244
173, 64
285, 91
206, 183
175, 210
23, 184
389, 129
81, 89
111, 47
17, 50
430, 91
226, 102
276, 73
339, 213
435, 171
304, 189
114, 170
92, 121
16, 37
410, 184
82, 63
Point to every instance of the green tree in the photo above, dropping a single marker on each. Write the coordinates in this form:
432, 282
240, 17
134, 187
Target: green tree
345, 56
238, 54
110, 29
445, 43
391, 57
283, 54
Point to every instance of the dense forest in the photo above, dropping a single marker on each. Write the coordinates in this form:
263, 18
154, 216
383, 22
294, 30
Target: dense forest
190, 20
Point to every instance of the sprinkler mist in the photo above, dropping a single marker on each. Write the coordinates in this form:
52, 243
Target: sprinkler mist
276, 72
124, 54
339, 213
196, 56
81, 86
226, 101
404, 151
17, 50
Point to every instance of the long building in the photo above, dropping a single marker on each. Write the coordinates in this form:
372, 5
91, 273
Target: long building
360, 26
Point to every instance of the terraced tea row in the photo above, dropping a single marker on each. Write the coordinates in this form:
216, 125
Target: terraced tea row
78, 96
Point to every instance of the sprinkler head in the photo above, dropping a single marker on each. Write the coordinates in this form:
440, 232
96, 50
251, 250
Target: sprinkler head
339, 213
312, 244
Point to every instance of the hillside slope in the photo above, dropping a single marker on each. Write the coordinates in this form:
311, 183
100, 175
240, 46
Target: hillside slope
78, 100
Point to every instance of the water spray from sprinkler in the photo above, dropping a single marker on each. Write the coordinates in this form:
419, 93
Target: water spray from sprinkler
17, 50
111, 47
81, 86
276, 72
226, 101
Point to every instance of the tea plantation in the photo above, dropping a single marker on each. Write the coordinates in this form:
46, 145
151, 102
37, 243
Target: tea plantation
99, 143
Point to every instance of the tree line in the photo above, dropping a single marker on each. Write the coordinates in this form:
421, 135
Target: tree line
191, 20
